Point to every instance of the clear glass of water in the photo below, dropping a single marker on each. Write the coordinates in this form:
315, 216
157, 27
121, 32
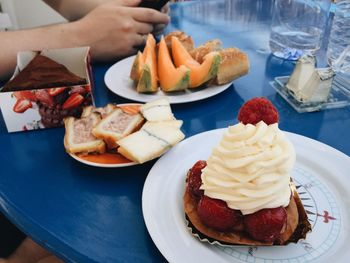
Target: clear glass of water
298, 27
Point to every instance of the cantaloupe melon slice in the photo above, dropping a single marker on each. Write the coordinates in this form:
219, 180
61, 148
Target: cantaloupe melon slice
171, 78
199, 73
137, 66
148, 81
139, 61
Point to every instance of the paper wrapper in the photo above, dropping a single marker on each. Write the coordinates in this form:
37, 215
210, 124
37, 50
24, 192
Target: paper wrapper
297, 225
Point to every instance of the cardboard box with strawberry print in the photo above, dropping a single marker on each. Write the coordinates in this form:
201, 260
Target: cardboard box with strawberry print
47, 107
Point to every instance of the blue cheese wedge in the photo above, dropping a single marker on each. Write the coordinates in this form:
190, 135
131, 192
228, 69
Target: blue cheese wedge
157, 110
308, 84
150, 142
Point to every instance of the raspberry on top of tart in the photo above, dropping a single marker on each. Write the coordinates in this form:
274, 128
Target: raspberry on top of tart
243, 193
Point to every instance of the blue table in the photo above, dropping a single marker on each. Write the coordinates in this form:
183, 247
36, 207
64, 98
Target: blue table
87, 214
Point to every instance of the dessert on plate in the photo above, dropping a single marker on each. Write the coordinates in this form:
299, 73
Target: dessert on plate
243, 193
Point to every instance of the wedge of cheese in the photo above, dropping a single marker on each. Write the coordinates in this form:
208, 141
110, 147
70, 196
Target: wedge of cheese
150, 142
309, 84
157, 110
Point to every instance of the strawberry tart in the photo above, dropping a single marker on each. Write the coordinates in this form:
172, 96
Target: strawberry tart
243, 193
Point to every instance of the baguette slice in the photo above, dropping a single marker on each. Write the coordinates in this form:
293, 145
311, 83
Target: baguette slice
200, 52
117, 125
157, 110
234, 64
79, 138
103, 111
185, 39
150, 142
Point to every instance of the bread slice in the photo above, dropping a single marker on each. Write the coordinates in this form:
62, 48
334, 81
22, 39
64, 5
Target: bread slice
234, 64
117, 125
185, 40
157, 110
103, 111
79, 138
150, 142
296, 228
200, 52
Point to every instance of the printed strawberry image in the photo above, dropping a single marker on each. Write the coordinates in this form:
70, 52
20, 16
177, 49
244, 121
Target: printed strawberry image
55, 91
22, 105
73, 101
25, 94
54, 104
57, 103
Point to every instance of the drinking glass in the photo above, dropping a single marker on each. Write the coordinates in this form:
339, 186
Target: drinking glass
298, 27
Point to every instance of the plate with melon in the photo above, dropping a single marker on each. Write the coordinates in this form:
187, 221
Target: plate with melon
175, 69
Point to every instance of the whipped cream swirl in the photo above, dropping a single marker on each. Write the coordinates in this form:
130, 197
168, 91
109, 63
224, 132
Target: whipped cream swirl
249, 169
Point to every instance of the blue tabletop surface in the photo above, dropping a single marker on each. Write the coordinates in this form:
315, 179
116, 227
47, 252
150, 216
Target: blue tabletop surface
87, 214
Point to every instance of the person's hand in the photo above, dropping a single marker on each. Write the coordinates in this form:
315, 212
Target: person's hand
114, 31
159, 28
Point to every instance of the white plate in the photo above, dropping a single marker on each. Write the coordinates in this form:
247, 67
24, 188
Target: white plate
321, 174
118, 81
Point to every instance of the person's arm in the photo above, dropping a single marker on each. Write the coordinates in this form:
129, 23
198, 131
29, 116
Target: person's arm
110, 30
74, 9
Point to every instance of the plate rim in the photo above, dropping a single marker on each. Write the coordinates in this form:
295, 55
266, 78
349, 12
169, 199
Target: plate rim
171, 99
146, 192
102, 165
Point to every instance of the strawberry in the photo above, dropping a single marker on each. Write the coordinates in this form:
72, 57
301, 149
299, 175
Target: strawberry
73, 101
266, 224
216, 214
25, 94
22, 105
256, 110
56, 91
44, 97
194, 179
